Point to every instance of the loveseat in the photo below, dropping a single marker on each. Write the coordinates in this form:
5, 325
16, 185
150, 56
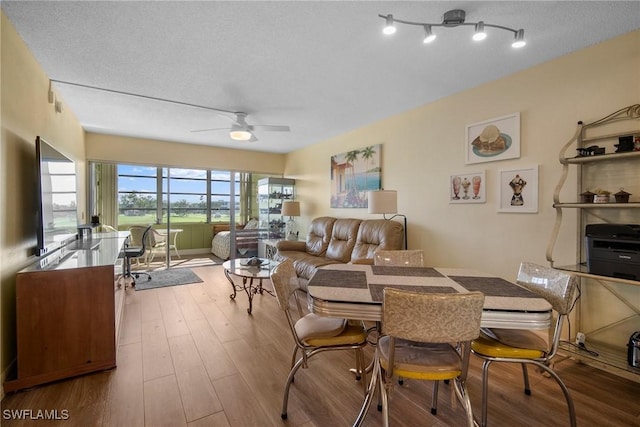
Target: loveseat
339, 240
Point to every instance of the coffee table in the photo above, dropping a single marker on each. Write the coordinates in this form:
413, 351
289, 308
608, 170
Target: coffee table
250, 275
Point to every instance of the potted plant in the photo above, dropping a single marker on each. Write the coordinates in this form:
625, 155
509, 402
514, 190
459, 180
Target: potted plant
601, 196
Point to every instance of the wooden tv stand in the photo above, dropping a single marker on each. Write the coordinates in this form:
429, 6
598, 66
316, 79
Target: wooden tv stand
68, 309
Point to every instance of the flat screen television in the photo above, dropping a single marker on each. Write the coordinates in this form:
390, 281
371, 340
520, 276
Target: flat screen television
57, 201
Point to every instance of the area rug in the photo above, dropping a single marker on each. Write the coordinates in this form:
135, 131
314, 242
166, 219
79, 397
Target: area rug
170, 277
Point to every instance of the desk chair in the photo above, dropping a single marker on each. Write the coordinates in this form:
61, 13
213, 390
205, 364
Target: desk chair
136, 252
312, 333
418, 332
525, 347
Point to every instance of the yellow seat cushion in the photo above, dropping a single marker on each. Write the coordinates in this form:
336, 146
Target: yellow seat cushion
486, 346
350, 335
421, 361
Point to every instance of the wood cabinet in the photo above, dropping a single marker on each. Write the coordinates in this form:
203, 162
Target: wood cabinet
608, 310
68, 307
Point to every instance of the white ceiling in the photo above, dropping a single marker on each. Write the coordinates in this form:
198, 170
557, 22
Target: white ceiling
321, 67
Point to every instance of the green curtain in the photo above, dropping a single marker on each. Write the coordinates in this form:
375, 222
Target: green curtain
107, 193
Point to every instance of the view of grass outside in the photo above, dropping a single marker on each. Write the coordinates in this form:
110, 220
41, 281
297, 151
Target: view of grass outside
125, 220
197, 196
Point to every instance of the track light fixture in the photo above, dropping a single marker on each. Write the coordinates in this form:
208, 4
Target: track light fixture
428, 34
389, 28
453, 18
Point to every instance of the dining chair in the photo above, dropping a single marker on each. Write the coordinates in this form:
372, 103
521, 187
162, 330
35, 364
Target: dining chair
401, 258
313, 334
407, 258
107, 228
157, 243
526, 347
427, 336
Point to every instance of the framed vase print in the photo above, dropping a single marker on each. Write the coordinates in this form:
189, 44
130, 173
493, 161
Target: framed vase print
468, 188
518, 190
493, 139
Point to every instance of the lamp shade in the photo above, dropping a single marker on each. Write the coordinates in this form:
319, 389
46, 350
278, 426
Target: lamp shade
383, 201
290, 208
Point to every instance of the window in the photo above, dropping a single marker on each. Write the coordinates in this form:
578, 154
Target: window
221, 196
187, 193
137, 194
193, 195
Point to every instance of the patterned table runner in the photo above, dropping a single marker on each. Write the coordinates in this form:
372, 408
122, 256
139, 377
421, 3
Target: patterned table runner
377, 290
339, 279
493, 286
390, 270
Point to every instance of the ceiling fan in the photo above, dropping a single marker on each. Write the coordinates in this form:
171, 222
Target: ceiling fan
242, 131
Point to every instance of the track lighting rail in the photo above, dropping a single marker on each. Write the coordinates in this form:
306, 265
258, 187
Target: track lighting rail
451, 19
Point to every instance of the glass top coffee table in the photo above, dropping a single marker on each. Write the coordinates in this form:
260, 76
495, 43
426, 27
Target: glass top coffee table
251, 276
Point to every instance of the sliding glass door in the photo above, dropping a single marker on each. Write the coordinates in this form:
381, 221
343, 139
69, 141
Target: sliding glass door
175, 201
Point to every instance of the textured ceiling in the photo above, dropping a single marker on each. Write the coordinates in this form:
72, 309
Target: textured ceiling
322, 68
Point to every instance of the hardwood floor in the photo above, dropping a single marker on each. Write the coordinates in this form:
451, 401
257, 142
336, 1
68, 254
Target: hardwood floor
189, 356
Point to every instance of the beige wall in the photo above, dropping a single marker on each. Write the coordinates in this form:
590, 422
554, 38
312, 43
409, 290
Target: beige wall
423, 147
119, 149
26, 113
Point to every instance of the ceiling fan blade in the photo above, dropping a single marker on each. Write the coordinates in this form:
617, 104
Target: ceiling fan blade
253, 138
207, 130
271, 128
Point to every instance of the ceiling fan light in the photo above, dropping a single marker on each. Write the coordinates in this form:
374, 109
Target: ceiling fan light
480, 34
519, 39
239, 133
389, 27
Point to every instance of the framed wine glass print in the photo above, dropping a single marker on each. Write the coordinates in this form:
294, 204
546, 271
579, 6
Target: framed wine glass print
493, 139
518, 190
468, 188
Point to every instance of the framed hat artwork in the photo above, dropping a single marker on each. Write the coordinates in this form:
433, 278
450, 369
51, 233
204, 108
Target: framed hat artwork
493, 139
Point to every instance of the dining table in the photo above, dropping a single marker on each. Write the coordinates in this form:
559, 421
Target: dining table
355, 291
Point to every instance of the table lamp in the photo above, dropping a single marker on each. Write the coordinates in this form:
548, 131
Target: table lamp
291, 209
386, 202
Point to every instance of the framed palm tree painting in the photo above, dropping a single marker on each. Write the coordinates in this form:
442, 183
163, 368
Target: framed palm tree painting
353, 173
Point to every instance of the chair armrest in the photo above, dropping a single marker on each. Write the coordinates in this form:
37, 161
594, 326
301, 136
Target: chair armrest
291, 245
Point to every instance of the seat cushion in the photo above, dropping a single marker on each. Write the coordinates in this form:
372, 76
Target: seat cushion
420, 360
314, 326
350, 335
517, 338
486, 345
